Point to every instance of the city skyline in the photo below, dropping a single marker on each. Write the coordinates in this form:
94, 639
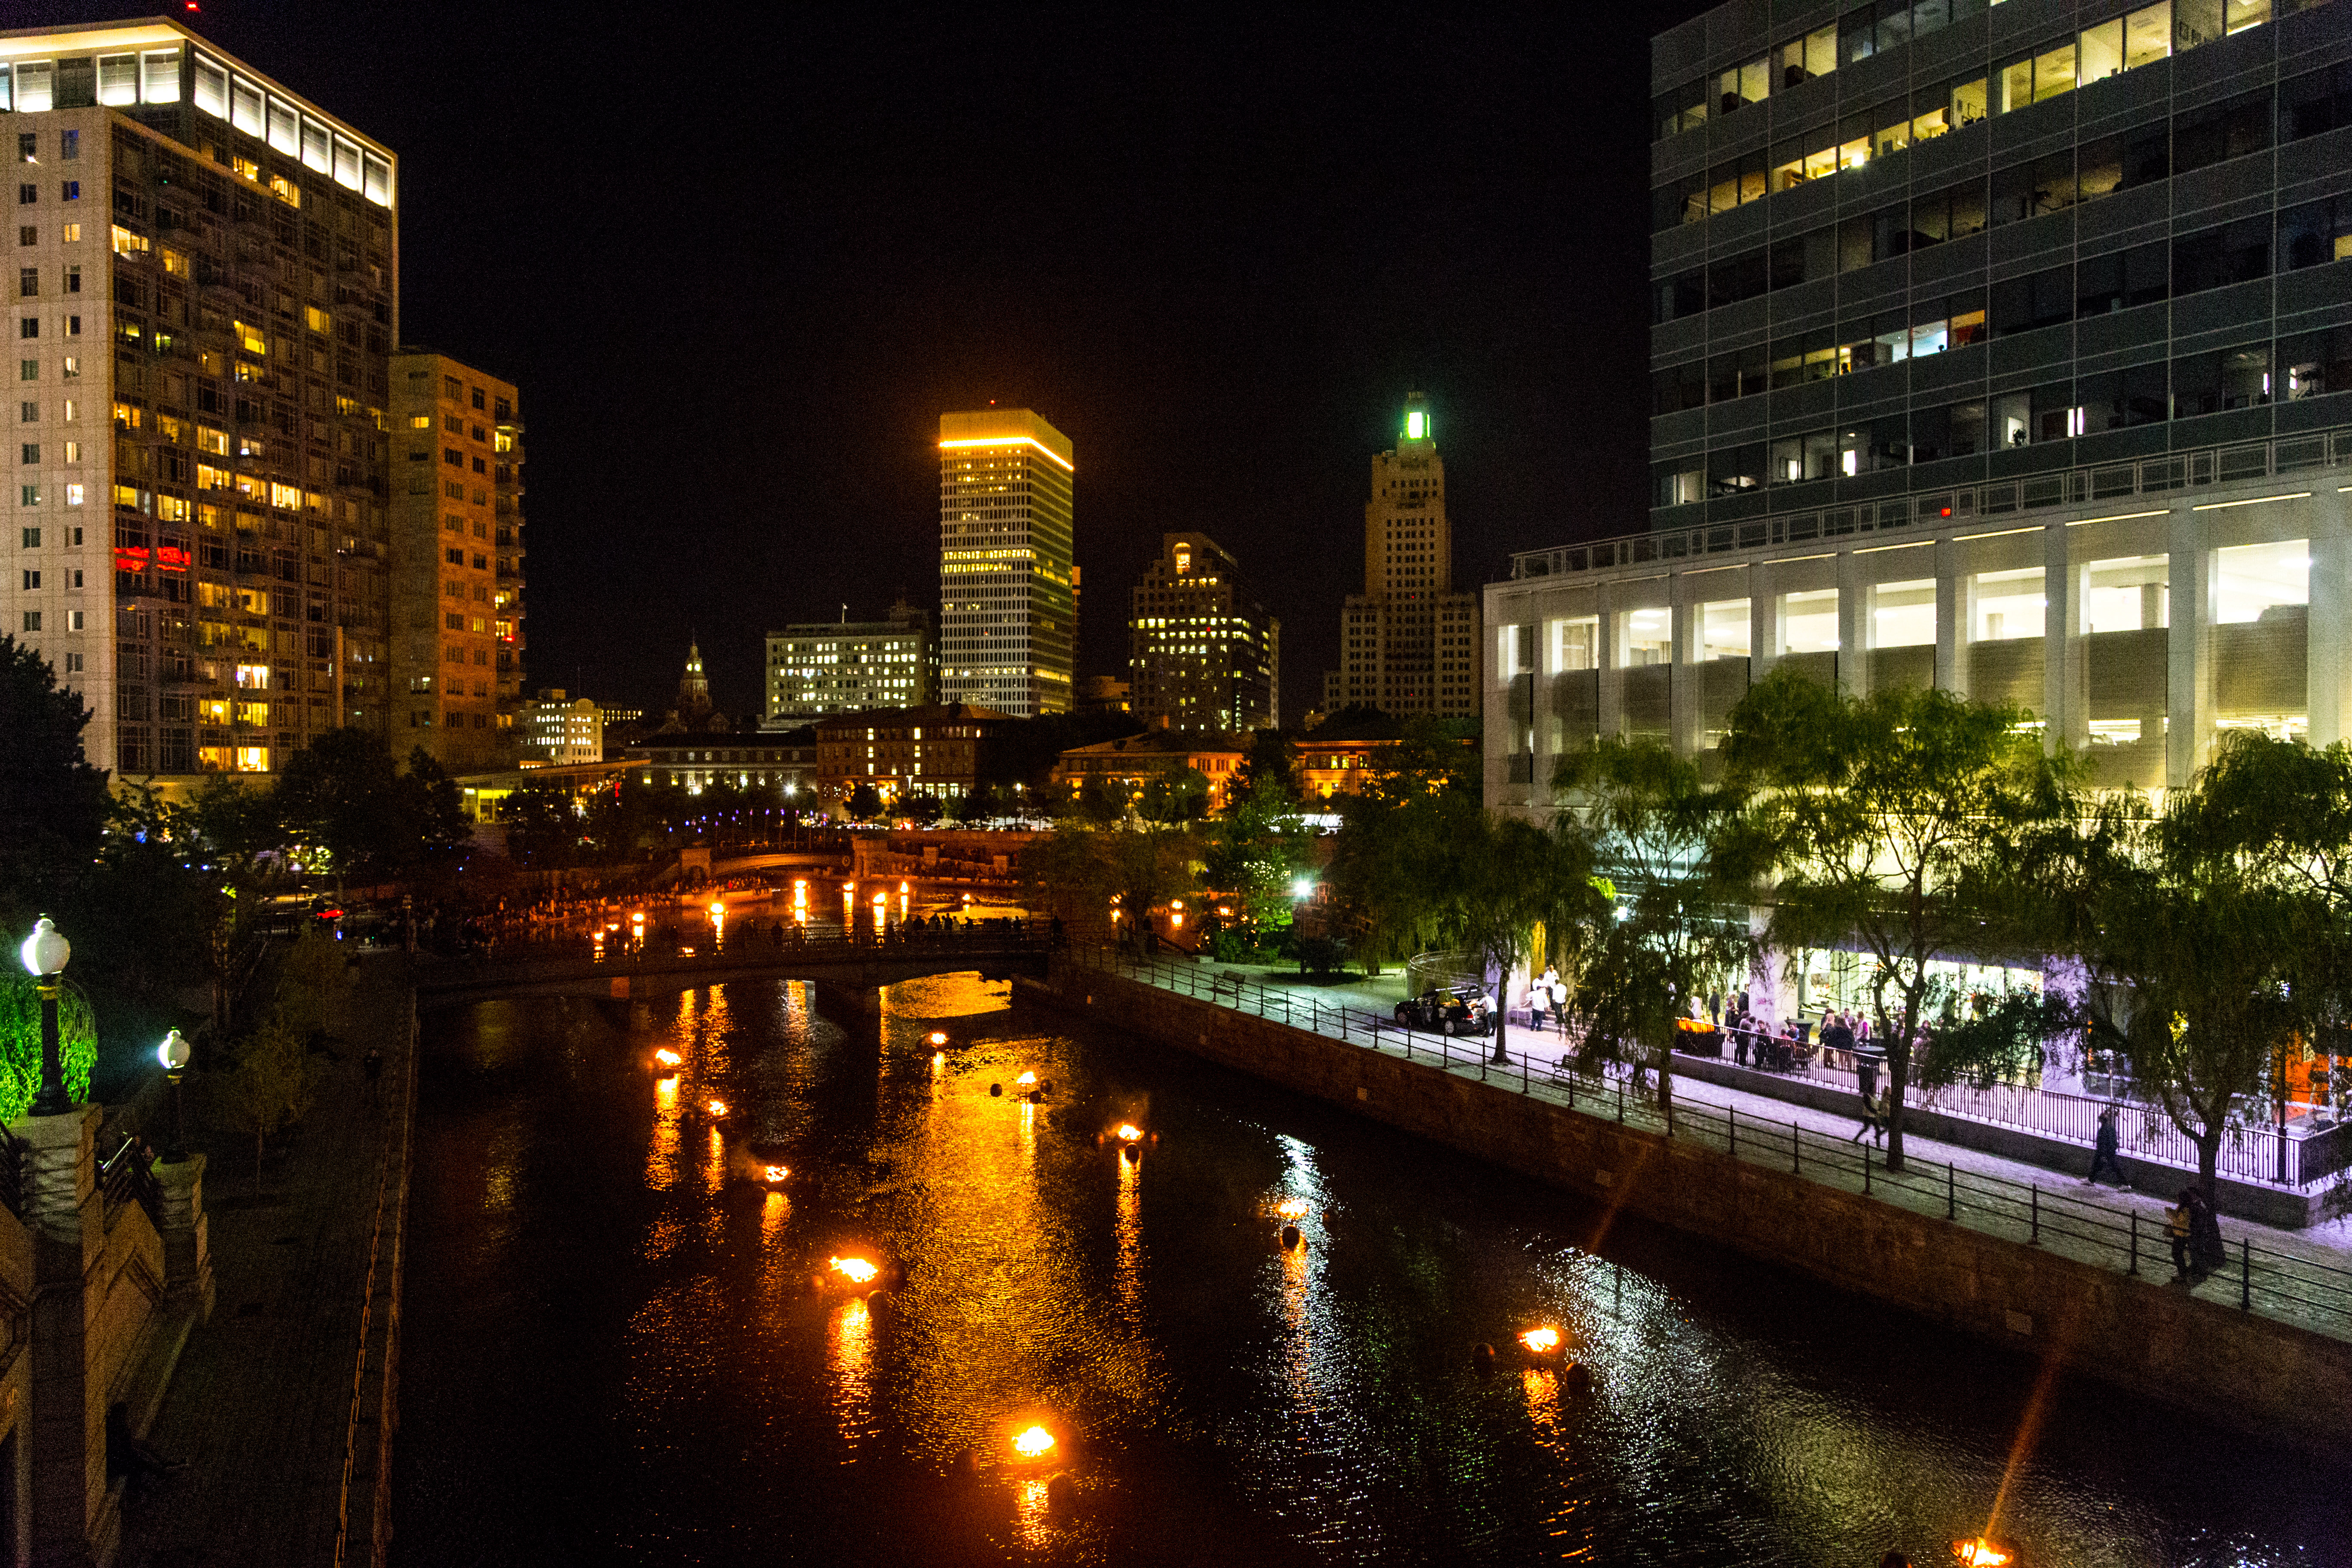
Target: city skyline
1147, 301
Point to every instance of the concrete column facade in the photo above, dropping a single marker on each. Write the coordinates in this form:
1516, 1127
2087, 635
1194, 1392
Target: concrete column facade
1854, 626
2188, 651
2328, 646
2067, 714
1953, 613
1612, 660
65, 1212
1683, 681
1763, 622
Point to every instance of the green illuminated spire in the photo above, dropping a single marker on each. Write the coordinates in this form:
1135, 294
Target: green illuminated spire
1417, 424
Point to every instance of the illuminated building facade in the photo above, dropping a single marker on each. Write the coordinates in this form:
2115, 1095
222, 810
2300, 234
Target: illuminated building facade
456, 561
1408, 643
1202, 654
848, 666
2039, 390
558, 731
203, 298
935, 751
1129, 764
1008, 585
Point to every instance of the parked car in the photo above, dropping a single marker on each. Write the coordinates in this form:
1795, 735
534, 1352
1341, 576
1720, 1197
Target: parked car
1453, 1010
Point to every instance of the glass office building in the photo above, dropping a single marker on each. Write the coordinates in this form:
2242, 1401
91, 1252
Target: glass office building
2005, 346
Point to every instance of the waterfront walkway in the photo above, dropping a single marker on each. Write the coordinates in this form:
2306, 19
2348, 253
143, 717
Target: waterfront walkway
2303, 1276
261, 1407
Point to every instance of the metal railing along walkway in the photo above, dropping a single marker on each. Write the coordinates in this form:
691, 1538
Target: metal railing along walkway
2263, 1279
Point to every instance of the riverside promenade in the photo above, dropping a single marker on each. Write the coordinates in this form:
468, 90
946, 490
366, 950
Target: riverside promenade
1983, 1245
280, 1409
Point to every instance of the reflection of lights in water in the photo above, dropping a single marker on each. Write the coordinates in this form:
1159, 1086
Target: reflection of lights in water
1542, 1386
939, 1061
714, 1165
1033, 1510
1032, 1442
1130, 1235
661, 1155
1028, 1136
858, 1270
849, 1350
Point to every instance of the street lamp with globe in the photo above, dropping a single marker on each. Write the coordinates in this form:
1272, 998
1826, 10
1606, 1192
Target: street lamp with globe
173, 1054
45, 954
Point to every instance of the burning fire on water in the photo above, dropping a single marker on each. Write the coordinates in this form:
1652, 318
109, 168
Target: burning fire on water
667, 1057
1981, 1553
858, 1270
1129, 1132
1291, 1208
1542, 1342
718, 1107
1032, 1443
777, 1173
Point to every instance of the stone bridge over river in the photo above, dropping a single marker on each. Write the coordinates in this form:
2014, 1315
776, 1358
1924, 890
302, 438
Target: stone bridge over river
859, 967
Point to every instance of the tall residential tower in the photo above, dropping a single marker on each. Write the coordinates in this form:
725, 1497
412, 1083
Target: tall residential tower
1008, 586
456, 562
204, 296
1202, 654
1408, 642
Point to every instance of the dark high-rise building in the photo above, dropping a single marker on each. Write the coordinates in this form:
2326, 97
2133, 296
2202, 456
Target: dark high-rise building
204, 296
2003, 348
1202, 654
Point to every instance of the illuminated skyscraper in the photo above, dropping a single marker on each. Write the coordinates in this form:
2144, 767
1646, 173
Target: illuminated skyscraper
1202, 654
1008, 601
456, 562
1408, 642
204, 297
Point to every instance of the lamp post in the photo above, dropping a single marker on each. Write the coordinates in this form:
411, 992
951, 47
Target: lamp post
173, 1054
45, 954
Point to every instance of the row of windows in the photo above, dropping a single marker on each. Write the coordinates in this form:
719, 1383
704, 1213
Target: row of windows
2305, 106
2099, 286
1863, 32
2307, 235
2247, 376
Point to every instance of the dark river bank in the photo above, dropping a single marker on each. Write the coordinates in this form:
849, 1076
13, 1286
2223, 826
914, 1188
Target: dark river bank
614, 1352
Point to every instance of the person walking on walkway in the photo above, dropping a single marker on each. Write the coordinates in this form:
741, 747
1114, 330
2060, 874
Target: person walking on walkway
2176, 1230
1872, 1124
2103, 1156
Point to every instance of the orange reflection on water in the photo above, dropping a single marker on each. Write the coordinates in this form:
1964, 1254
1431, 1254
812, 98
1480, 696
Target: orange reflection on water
1129, 1229
849, 1354
1033, 1512
661, 1153
1542, 1387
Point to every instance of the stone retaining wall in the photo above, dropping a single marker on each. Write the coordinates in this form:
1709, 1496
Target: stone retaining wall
2231, 1367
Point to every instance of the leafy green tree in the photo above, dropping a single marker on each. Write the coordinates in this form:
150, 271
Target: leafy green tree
1395, 859
922, 809
272, 1085
1252, 856
343, 801
1100, 802
1509, 880
53, 804
20, 1040
1269, 766
1893, 821
1174, 796
1669, 847
542, 828
864, 803
2214, 930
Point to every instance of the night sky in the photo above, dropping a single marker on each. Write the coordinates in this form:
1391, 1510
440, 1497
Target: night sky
739, 259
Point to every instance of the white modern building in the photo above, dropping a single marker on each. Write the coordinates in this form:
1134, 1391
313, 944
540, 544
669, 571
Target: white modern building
561, 732
848, 666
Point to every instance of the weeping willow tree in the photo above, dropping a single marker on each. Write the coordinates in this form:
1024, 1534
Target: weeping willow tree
20, 1043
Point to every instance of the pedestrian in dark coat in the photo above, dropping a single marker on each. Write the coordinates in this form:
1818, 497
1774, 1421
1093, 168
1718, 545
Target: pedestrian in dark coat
2103, 1156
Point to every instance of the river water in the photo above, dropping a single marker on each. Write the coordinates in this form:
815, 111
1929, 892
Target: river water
616, 1351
